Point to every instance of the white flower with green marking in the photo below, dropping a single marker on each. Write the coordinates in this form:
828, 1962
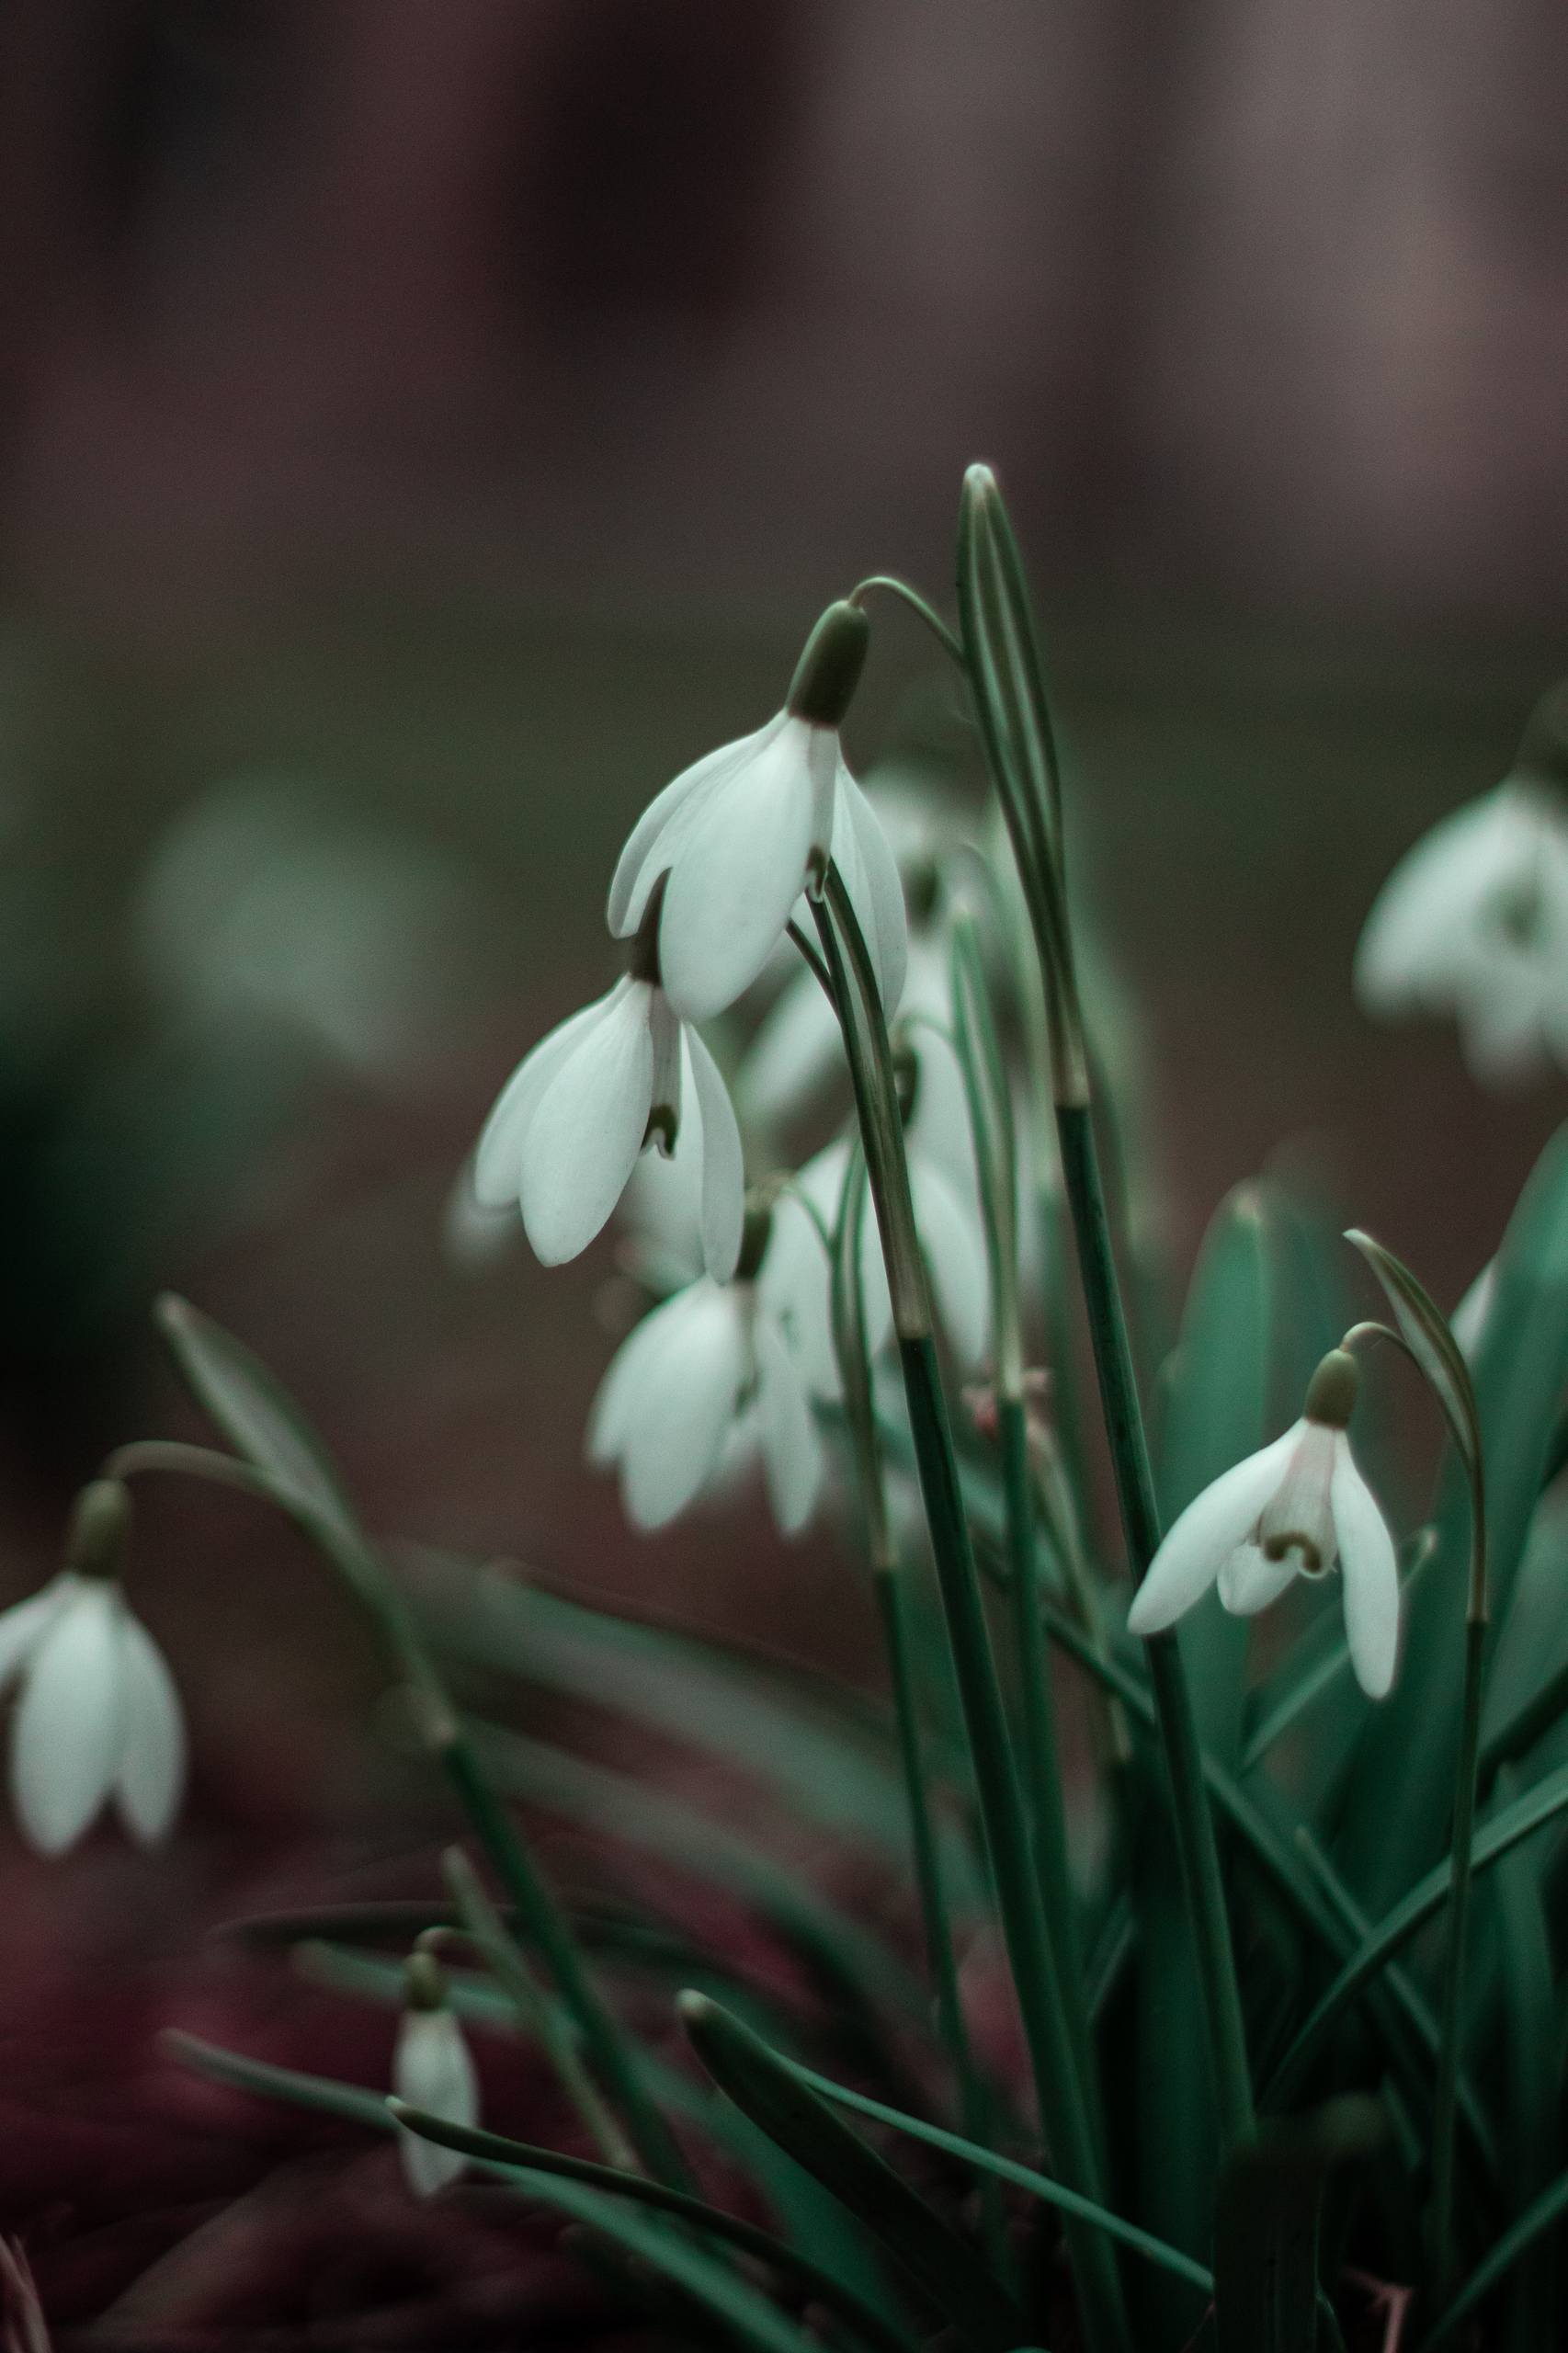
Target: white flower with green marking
97, 1719
1299, 1508
1473, 921
573, 1120
432, 2069
707, 1378
738, 837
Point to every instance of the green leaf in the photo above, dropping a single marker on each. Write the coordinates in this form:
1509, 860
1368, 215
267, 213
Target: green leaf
764, 2084
1266, 2284
1039, 2185
715, 2286
860, 1963
1529, 2083
256, 1413
1425, 1330
838, 1768
529, 2158
1527, 1815
1399, 1800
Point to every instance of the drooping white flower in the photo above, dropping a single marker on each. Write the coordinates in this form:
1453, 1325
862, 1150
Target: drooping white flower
1474, 921
795, 1278
707, 1376
745, 830
432, 2069
97, 1719
569, 1123
1299, 1508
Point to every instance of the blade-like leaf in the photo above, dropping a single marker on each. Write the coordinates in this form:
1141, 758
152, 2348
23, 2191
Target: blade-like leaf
254, 1412
764, 2084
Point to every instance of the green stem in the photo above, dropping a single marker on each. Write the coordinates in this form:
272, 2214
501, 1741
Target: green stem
852, 1350
974, 2097
442, 1736
1197, 1846
1063, 2110
1450, 2016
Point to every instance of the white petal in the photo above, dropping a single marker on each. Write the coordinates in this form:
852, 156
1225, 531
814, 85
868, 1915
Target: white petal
1205, 1535
24, 1625
1250, 1581
152, 1762
723, 1163
792, 1456
657, 836
588, 1127
671, 1440
1370, 1571
65, 1742
938, 1129
954, 1245
862, 854
740, 871
432, 2069
1421, 928
498, 1155
796, 1050
635, 1367
794, 1281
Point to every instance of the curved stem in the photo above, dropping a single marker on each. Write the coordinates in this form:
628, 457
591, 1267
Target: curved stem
890, 585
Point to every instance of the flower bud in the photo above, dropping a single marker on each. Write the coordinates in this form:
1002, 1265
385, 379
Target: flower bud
829, 670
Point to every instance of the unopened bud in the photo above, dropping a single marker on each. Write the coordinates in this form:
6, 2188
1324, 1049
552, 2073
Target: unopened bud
1331, 1393
100, 1529
829, 670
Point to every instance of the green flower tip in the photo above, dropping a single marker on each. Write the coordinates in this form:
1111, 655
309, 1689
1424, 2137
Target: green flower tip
100, 1529
1331, 1393
425, 1981
829, 670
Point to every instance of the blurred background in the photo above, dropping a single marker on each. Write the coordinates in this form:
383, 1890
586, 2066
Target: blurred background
427, 425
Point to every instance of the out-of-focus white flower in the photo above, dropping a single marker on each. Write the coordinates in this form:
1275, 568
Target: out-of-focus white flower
706, 1369
432, 2069
257, 907
745, 830
798, 1048
1299, 1508
569, 1123
1474, 921
796, 1281
98, 1718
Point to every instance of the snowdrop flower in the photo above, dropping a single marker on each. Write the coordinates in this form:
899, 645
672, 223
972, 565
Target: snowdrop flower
796, 1281
704, 1378
1299, 1508
1475, 919
571, 1120
98, 1718
432, 2069
743, 832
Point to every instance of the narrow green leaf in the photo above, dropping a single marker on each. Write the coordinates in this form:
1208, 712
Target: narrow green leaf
631, 1811
1527, 1815
1425, 1333
1039, 2185
1530, 2090
1515, 2244
254, 1412
718, 2289
767, 2088
838, 1768
529, 2158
